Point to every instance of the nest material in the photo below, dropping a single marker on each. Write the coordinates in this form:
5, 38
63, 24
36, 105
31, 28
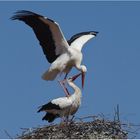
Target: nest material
96, 129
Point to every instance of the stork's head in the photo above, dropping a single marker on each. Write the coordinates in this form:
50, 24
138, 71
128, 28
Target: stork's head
83, 69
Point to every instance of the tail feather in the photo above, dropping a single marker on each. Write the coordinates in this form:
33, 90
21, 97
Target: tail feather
50, 75
50, 117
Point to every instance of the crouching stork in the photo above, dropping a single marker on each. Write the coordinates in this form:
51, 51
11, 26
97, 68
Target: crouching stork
63, 107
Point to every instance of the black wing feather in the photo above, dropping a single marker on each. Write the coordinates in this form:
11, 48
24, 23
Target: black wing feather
41, 30
49, 106
74, 37
50, 117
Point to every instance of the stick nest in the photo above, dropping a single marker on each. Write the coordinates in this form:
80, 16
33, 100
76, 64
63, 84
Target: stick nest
98, 128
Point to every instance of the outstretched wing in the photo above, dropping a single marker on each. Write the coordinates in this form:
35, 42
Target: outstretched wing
47, 32
78, 40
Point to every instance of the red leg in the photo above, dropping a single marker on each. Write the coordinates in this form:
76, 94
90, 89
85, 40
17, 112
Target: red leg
64, 88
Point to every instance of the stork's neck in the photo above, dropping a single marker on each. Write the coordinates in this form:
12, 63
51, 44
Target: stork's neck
76, 88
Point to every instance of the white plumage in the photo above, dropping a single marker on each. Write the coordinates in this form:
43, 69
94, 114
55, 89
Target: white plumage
64, 106
62, 54
71, 56
80, 41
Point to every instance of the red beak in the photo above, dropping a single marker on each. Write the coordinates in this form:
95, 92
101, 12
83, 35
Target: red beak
83, 79
75, 76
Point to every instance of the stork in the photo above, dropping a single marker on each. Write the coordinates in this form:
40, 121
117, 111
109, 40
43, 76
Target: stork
62, 54
64, 106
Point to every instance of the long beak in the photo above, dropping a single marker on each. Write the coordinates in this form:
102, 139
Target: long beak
75, 76
83, 79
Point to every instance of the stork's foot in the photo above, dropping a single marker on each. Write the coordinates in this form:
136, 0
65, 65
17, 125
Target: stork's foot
64, 122
71, 120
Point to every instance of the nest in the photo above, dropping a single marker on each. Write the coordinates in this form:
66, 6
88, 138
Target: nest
96, 129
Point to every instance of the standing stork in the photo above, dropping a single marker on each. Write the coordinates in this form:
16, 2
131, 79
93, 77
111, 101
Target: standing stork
62, 54
64, 106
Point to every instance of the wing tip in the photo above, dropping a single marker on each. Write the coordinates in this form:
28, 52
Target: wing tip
19, 14
94, 32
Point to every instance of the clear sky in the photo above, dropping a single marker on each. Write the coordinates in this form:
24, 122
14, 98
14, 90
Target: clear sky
112, 59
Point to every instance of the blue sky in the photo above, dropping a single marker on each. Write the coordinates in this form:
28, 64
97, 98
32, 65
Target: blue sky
112, 59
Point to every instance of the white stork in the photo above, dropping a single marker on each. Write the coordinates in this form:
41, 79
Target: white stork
62, 54
64, 106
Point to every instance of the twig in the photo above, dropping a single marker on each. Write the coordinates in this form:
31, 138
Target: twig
8, 134
87, 117
117, 114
